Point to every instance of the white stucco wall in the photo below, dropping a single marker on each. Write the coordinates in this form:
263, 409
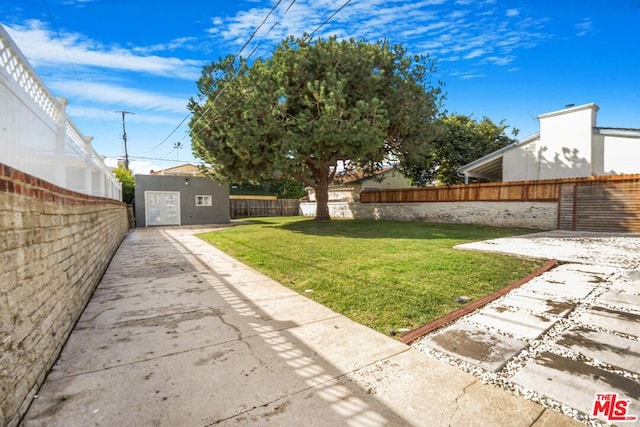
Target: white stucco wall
621, 154
391, 179
539, 215
337, 194
569, 145
565, 142
564, 148
521, 163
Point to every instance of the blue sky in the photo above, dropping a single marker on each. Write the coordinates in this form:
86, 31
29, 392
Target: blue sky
511, 60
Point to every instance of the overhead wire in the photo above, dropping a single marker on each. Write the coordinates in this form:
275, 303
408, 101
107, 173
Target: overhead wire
154, 158
62, 44
322, 24
261, 24
218, 95
56, 30
234, 76
251, 37
314, 31
331, 17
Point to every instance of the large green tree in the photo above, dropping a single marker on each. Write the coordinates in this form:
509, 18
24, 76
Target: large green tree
311, 104
459, 140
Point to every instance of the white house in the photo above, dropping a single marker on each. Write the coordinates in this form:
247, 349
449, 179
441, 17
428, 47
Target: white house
569, 144
347, 189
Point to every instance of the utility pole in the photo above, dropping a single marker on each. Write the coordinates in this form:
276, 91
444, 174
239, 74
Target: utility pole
124, 139
178, 145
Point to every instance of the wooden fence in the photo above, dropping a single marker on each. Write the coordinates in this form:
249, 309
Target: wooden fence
531, 191
611, 206
243, 208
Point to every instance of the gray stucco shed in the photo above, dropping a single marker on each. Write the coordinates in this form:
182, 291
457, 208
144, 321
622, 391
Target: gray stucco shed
180, 200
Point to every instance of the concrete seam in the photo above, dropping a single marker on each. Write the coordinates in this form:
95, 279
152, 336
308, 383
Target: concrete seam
538, 417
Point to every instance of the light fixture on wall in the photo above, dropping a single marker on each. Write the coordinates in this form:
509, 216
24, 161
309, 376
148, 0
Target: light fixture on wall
186, 182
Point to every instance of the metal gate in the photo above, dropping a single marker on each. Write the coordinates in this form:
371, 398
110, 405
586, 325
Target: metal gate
162, 207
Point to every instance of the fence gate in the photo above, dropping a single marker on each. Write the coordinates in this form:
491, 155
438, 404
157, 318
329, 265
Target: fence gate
600, 206
162, 207
241, 208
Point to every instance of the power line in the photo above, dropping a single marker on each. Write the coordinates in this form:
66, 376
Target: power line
172, 132
234, 76
124, 138
238, 71
345, 4
55, 28
331, 17
235, 57
169, 153
155, 158
177, 146
66, 52
261, 24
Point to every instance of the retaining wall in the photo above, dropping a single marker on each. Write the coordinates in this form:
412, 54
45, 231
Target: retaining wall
55, 244
539, 215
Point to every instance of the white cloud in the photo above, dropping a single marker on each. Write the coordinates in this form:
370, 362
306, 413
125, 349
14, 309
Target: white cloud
470, 30
79, 3
469, 76
42, 47
475, 53
80, 110
584, 28
178, 43
499, 60
105, 93
511, 13
138, 167
144, 167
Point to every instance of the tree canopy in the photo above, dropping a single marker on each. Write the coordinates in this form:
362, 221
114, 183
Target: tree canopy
125, 176
459, 140
283, 188
309, 106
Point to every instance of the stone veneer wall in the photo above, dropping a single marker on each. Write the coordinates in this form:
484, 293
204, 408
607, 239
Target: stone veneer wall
539, 215
55, 244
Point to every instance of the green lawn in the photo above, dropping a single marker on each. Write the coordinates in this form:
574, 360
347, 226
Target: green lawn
383, 274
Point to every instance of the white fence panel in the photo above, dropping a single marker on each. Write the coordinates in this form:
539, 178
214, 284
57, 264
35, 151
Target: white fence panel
37, 137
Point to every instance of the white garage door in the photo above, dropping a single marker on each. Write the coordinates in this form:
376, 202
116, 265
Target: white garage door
162, 207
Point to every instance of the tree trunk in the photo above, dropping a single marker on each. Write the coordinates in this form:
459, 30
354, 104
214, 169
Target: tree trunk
322, 202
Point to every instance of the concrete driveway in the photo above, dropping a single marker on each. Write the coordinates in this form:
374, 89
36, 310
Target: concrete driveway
179, 334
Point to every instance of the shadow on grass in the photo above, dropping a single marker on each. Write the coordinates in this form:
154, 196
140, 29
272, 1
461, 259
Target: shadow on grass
370, 229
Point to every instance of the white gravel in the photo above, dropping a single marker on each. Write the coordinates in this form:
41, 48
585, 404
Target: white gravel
603, 249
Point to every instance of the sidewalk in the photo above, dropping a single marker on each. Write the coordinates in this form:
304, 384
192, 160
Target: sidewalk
179, 334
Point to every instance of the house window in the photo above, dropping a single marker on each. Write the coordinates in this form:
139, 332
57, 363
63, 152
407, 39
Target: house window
203, 200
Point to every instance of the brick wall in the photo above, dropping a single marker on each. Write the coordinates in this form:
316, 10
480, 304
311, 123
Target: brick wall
54, 247
540, 215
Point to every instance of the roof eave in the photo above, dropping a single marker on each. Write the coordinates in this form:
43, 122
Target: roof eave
628, 132
496, 154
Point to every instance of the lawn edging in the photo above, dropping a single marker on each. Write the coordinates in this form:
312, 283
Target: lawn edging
421, 331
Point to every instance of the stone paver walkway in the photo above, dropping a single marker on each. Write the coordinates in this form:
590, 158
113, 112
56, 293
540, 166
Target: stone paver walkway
564, 337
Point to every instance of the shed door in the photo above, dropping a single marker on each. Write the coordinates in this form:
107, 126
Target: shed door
162, 207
